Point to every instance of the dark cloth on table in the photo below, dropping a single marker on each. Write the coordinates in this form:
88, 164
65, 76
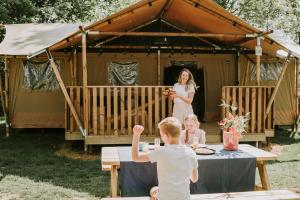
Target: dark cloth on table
136, 179
224, 171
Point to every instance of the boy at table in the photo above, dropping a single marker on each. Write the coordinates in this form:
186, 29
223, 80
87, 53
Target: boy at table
176, 164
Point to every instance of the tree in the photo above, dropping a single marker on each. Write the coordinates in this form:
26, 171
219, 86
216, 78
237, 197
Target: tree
267, 14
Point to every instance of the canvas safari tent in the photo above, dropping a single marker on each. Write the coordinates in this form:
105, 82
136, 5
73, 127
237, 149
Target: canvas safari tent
111, 73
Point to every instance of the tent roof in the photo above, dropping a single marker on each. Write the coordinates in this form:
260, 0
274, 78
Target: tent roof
193, 16
25, 39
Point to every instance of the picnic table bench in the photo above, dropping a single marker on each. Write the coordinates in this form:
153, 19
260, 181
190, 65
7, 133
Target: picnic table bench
257, 195
111, 162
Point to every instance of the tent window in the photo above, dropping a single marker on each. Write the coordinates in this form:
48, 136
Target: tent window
122, 73
269, 71
38, 76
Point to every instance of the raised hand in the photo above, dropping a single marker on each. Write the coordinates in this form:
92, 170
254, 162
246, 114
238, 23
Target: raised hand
138, 129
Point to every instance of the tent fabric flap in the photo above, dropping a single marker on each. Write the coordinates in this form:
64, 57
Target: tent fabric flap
26, 39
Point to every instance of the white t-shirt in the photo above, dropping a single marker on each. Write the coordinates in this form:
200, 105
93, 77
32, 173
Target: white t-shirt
174, 170
180, 90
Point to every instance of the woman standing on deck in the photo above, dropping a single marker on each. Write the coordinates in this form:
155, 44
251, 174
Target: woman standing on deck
183, 95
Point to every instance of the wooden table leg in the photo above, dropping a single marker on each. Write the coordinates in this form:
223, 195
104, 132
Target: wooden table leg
114, 180
263, 174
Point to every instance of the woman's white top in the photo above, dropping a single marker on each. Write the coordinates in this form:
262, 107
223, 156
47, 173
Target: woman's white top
180, 90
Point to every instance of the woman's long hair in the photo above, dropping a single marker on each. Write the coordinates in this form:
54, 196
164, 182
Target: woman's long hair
190, 82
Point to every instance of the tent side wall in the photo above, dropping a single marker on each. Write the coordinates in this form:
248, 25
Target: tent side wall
46, 109
35, 109
285, 109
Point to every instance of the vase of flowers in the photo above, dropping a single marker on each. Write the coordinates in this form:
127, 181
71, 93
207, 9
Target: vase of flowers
233, 126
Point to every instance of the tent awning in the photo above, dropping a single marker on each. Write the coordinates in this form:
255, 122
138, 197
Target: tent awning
25, 39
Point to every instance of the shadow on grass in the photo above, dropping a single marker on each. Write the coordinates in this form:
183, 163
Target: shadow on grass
31, 153
284, 136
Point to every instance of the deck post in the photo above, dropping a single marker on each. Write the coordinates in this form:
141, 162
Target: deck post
285, 64
258, 53
3, 102
6, 89
84, 81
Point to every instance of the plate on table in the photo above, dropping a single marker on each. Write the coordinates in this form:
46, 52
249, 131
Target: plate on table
205, 151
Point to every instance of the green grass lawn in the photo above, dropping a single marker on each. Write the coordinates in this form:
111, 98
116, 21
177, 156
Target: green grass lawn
32, 168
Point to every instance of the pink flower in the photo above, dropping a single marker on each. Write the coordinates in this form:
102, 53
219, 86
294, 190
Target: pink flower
230, 116
231, 129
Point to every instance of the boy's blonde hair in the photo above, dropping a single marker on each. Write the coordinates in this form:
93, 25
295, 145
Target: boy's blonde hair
171, 126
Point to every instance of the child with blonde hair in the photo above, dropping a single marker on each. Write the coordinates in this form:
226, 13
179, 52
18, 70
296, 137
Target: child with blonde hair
176, 164
192, 133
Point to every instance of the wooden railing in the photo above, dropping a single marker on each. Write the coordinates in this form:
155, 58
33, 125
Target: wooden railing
253, 99
113, 110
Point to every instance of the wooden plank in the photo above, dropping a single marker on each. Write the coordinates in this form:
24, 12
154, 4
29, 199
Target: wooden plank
150, 125
122, 110
163, 104
108, 110
143, 94
95, 109
227, 100
77, 102
136, 105
233, 97
253, 109
156, 105
70, 59
259, 109
102, 111
75, 67
71, 116
89, 108
247, 97
158, 68
240, 101
269, 115
223, 98
264, 108
129, 117
116, 117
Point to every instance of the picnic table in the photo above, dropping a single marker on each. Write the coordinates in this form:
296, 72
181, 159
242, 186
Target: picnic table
110, 160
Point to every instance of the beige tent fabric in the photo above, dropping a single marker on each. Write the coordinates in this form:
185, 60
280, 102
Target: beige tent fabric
35, 109
286, 99
46, 109
25, 39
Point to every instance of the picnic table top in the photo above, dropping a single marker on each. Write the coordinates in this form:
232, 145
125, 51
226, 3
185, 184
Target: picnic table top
110, 155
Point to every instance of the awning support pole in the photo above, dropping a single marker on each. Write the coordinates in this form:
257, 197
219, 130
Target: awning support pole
65, 93
3, 102
285, 64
